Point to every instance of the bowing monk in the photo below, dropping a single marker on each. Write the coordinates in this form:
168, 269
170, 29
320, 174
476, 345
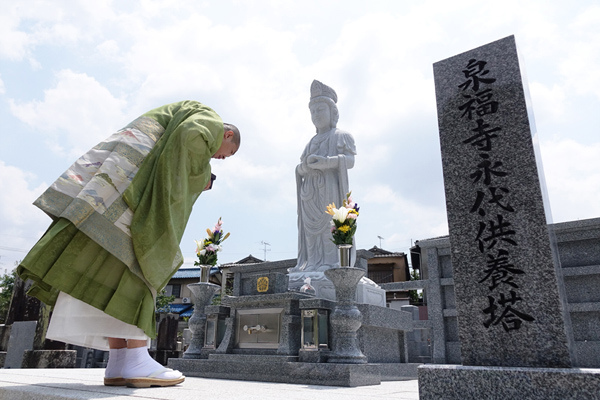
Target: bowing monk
118, 215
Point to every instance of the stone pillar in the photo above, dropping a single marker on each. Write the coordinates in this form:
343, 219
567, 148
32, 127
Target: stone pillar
512, 322
435, 306
507, 297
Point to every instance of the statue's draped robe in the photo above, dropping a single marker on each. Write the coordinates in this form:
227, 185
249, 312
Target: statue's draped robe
315, 190
119, 213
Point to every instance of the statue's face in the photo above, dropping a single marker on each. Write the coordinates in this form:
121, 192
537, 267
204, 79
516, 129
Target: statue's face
320, 115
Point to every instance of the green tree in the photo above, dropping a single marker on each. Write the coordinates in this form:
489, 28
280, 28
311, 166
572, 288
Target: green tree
7, 284
219, 297
416, 297
163, 302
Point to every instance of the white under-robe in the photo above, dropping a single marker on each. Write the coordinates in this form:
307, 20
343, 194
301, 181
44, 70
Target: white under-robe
76, 322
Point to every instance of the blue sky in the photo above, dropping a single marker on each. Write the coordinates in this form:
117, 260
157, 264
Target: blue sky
72, 72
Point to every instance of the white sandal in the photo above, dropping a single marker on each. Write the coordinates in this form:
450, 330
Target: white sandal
152, 380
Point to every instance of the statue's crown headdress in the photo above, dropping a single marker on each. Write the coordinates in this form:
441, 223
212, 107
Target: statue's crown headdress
318, 89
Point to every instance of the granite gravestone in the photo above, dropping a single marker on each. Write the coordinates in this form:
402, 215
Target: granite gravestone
507, 297
21, 339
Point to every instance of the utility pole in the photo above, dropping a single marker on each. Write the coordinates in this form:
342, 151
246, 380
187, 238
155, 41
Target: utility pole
380, 239
265, 244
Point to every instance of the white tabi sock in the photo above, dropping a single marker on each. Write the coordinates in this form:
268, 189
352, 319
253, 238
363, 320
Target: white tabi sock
116, 358
139, 364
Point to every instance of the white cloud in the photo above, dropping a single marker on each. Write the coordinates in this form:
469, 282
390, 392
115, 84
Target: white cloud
16, 196
13, 43
572, 172
582, 53
548, 102
2, 90
21, 224
587, 21
387, 212
25, 27
109, 49
253, 62
75, 114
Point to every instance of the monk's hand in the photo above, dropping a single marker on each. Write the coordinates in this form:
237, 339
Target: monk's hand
210, 183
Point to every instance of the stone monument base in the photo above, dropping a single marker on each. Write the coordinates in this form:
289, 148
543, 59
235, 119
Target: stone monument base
284, 369
381, 337
49, 359
163, 356
459, 382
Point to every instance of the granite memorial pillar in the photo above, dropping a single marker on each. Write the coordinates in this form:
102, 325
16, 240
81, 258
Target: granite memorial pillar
512, 325
507, 297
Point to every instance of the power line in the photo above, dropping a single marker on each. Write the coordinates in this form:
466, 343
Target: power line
20, 237
13, 249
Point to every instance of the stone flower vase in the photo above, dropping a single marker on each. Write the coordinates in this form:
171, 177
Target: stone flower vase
346, 318
202, 294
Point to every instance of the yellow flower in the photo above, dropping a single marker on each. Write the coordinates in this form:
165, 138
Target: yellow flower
344, 228
331, 209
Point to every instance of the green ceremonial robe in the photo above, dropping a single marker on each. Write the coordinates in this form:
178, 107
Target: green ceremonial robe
119, 213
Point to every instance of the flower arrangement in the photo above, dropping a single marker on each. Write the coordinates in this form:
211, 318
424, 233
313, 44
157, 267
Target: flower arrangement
343, 222
207, 249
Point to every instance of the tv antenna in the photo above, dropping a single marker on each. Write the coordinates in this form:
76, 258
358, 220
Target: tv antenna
380, 239
265, 244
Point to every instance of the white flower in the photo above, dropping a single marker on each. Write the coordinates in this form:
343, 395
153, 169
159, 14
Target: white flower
340, 214
202, 252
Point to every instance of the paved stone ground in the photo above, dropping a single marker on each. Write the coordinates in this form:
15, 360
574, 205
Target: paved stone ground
55, 384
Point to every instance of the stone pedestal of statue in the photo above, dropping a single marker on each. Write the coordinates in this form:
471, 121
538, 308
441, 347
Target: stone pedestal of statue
367, 291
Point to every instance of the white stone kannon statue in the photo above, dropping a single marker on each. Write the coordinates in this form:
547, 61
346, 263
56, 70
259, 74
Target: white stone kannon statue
322, 179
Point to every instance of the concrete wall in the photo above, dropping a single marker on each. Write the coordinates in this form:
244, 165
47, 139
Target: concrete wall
579, 252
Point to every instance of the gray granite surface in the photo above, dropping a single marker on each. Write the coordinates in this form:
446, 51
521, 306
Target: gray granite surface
262, 267
266, 370
263, 300
269, 370
271, 282
383, 317
4, 336
579, 254
434, 301
49, 359
21, 339
317, 303
454, 382
505, 279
